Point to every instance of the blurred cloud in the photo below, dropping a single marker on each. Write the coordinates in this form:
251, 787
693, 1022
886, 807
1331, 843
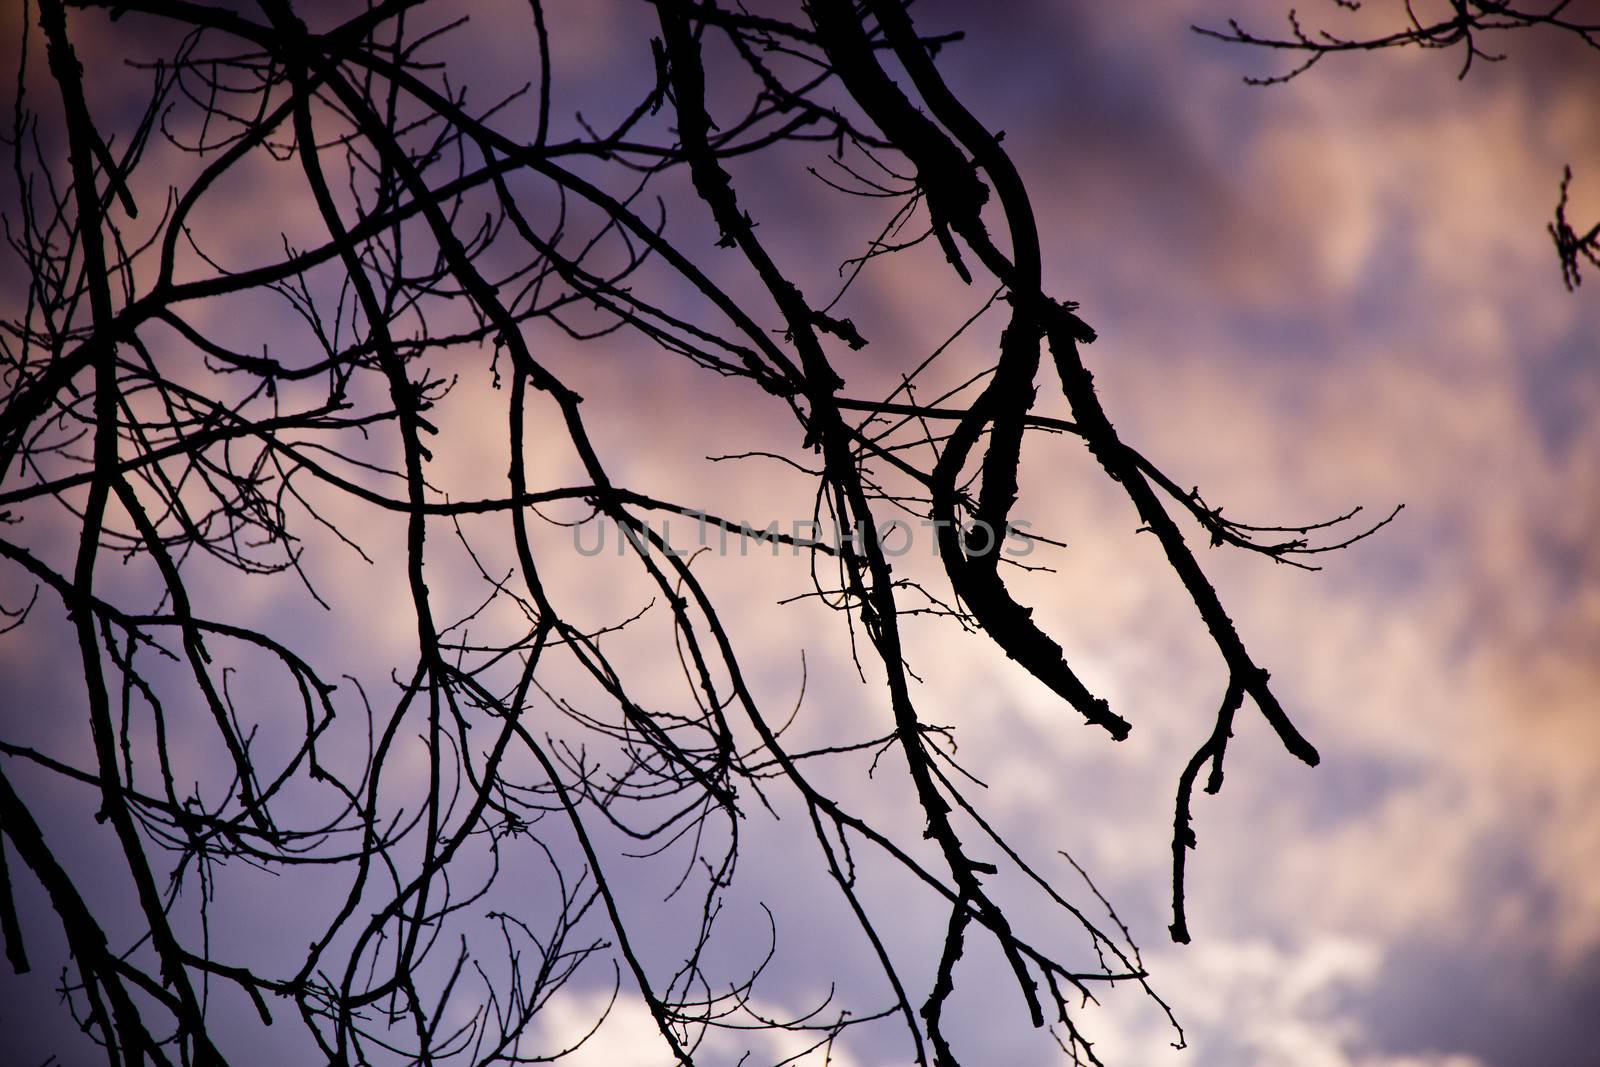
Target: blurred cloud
1253, 1004
1333, 292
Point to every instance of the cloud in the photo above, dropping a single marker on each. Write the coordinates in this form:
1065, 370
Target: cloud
628, 1037
1332, 293
1256, 1004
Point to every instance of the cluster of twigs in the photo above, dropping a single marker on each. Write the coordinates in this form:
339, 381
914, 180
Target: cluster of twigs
449, 231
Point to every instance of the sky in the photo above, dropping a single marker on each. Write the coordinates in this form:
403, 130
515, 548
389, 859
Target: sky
1310, 296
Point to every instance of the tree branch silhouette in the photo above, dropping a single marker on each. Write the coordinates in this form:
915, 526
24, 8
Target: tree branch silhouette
443, 246
1465, 30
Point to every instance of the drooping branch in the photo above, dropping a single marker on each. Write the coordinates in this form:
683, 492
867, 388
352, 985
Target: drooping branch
461, 246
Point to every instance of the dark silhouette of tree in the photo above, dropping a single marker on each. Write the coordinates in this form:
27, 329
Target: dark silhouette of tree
450, 235
1466, 27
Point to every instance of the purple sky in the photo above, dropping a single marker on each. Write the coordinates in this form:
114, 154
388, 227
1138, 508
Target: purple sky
1329, 293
